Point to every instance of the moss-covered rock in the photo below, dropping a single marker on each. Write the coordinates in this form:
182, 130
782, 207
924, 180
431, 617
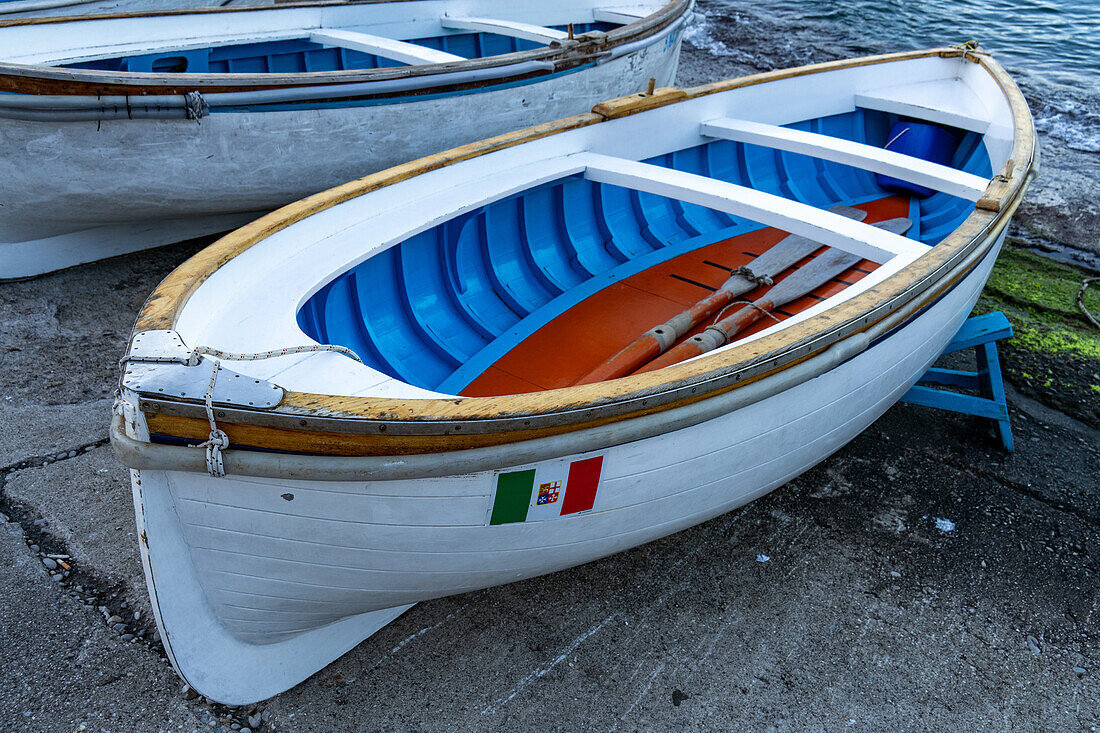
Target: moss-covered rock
1054, 355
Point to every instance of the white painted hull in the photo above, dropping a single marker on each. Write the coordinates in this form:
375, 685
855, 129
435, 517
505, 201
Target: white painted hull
53, 8
81, 191
244, 578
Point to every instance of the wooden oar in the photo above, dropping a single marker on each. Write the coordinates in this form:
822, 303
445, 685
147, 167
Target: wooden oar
655, 341
813, 275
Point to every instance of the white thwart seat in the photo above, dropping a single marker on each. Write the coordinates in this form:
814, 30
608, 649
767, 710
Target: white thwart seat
945, 102
822, 226
527, 31
621, 15
409, 53
878, 160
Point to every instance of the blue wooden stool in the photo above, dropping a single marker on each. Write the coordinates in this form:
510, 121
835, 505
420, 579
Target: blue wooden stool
980, 333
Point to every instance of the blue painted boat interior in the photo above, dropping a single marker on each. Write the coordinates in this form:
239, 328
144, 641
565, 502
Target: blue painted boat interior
439, 308
300, 55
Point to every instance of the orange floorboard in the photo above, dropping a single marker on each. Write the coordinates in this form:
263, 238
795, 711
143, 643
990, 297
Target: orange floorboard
588, 333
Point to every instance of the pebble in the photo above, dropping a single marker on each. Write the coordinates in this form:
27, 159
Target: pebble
137, 615
112, 620
264, 716
246, 730
235, 726
4, 519
895, 573
254, 721
1079, 670
71, 454
40, 523
56, 577
50, 564
127, 637
34, 548
119, 627
188, 693
1033, 645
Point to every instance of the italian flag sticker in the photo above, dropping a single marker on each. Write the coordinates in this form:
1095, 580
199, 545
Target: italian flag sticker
546, 492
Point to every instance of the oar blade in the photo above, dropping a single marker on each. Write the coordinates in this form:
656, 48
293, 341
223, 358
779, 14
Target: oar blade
825, 267
793, 248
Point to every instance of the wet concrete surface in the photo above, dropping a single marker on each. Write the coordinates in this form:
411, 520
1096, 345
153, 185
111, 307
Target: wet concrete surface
920, 578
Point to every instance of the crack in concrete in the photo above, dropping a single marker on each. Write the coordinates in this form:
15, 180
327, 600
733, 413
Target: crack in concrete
1057, 505
86, 586
41, 461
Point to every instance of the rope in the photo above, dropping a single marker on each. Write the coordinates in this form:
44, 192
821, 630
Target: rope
260, 355
195, 106
968, 48
217, 441
768, 313
894, 139
1081, 300
751, 276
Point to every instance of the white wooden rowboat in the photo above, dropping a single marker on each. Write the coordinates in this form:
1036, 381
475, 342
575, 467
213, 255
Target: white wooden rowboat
51, 8
450, 443
131, 131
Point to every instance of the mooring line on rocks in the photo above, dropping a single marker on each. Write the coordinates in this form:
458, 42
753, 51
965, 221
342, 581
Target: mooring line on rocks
1081, 300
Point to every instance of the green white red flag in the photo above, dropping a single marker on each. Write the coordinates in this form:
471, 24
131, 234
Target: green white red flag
548, 492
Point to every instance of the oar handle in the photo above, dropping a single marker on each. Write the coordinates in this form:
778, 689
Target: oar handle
713, 336
654, 341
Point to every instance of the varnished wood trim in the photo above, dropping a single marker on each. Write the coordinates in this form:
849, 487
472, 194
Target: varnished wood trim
634, 103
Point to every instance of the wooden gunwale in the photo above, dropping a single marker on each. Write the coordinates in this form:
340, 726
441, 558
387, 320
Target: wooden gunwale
43, 79
432, 422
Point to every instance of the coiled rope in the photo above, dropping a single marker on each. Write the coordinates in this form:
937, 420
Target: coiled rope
748, 274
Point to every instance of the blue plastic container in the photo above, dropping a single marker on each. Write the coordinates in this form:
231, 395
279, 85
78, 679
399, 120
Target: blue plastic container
924, 141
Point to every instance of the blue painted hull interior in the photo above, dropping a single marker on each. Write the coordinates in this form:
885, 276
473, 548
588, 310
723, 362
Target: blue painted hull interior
439, 308
300, 55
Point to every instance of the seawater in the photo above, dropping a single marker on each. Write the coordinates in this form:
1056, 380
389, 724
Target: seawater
1051, 48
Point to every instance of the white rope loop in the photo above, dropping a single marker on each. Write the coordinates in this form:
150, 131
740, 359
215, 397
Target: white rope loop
722, 313
218, 441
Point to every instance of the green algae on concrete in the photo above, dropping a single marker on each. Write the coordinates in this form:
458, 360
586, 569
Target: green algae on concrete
1054, 354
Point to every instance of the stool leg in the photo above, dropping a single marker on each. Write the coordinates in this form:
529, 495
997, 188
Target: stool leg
993, 388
